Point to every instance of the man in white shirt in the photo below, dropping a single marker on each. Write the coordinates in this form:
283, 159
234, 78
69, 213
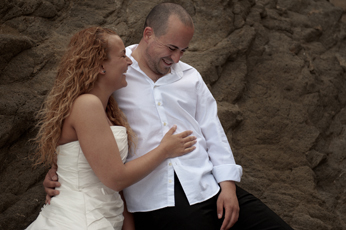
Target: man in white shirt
183, 192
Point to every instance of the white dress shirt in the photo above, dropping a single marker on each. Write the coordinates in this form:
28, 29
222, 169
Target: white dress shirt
179, 98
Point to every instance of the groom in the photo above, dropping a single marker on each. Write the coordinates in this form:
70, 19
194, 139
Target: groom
195, 191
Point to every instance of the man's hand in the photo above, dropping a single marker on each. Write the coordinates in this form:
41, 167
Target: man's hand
50, 182
228, 201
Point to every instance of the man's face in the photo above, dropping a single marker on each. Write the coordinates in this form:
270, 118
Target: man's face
162, 52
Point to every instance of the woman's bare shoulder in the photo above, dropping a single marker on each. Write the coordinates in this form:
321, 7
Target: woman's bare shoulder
87, 105
87, 101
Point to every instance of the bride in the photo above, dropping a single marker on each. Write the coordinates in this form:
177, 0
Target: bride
83, 129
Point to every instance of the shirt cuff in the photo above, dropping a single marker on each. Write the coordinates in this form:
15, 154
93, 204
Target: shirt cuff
226, 172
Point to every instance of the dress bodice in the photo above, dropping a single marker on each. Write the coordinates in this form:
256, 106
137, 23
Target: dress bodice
84, 202
74, 170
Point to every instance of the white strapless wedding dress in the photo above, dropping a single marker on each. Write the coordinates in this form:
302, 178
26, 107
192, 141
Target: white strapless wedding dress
84, 202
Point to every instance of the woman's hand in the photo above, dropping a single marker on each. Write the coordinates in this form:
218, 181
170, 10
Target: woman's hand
178, 144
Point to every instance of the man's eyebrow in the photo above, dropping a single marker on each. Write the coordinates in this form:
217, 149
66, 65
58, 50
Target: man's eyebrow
176, 47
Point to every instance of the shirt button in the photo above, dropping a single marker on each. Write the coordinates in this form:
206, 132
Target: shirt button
158, 103
170, 164
164, 123
170, 181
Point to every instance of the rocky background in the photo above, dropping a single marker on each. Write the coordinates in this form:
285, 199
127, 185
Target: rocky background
276, 68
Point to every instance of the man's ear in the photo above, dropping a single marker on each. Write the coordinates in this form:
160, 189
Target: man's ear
148, 33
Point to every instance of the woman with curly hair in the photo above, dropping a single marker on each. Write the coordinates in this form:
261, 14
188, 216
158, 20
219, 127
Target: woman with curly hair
83, 129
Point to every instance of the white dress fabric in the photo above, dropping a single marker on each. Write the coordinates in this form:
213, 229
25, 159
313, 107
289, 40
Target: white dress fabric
84, 202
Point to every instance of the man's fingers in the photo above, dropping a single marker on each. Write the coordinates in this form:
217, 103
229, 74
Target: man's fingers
219, 206
47, 199
50, 181
226, 221
52, 175
51, 191
233, 220
54, 166
231, 217
51, 184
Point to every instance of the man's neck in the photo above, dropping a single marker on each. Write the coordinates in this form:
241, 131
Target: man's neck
137, 54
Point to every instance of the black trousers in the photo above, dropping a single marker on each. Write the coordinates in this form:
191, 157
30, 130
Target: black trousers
203, 216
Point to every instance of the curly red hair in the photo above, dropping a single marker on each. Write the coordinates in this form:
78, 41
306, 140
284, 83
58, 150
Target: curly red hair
77, 73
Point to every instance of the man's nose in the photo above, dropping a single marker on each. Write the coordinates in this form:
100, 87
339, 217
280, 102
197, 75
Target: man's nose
176, 56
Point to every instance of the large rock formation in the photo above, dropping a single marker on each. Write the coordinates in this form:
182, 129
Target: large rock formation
276, 68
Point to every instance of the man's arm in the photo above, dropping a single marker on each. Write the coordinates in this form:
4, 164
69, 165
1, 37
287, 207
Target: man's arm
218, 147
225, 170
50, 183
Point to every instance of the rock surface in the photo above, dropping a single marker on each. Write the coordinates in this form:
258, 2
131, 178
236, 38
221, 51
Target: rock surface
276, 68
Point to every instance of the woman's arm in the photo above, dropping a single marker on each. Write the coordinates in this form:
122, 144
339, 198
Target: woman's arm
101, 151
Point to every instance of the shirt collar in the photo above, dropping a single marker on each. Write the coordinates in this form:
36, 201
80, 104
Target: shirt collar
177, 69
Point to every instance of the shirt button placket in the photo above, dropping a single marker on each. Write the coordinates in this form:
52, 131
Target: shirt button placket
160, 104
160, 108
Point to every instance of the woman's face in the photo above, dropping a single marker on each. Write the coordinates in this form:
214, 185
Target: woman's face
117, 63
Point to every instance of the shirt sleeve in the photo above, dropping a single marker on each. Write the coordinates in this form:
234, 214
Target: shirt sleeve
218, 148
